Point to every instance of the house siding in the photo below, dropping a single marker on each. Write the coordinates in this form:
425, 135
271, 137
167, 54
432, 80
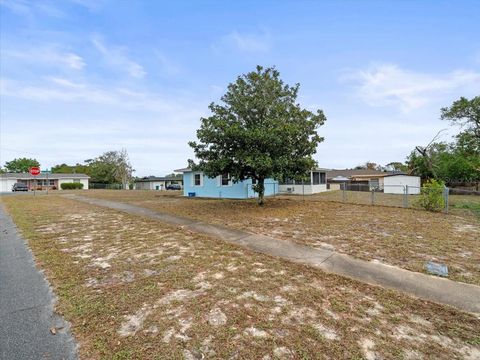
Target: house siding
7, 184
300, 189
396, 184
211, 187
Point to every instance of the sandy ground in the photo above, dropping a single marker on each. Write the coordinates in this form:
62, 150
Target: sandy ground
137, 289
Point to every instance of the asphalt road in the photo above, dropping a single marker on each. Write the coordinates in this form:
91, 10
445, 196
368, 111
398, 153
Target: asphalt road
26, 304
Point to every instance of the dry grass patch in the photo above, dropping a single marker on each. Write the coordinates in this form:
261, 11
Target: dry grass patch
403, 237
134, 288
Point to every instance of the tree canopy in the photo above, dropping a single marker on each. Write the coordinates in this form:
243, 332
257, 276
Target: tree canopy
258, 132
396, 166
111, 167
465, 113
459, 160
21, 165
69, 169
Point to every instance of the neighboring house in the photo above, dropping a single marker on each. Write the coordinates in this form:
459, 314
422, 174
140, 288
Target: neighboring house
196, 183
317, 183
399, 183
42, 181
364, 179
156, 183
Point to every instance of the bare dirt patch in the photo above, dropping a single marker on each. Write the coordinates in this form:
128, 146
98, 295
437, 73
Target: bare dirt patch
146, 306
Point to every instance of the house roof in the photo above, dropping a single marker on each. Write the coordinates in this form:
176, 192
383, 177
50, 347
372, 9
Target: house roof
27, 176
321, 169
400, 174
188, 169
159, 178
182, 170
349, 173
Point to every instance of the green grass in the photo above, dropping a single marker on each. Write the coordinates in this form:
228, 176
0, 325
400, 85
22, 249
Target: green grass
471, 206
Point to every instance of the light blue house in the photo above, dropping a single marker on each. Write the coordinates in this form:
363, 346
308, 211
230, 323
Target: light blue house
195, 183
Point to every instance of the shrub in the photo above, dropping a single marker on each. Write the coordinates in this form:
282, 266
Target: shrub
432, 196
71, 186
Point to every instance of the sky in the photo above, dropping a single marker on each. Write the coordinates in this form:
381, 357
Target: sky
81, 77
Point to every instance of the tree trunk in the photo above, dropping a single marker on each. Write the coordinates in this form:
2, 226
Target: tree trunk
261, 190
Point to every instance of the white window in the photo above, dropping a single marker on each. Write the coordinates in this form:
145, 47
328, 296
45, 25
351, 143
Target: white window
197, 179
76, 180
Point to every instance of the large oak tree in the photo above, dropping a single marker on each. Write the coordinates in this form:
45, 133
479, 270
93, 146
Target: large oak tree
259, 131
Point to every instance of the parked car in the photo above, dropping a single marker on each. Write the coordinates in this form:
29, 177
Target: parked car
19, 187
174, 187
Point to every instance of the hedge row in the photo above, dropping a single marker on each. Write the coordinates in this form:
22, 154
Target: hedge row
71, 186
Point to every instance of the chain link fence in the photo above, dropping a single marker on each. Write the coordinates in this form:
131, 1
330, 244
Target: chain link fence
463, 201
406, 196
366, 194
94, 185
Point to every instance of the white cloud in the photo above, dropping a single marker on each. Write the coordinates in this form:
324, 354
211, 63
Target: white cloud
49, 55
246, 42
74, 61
29, 8
390, 85
91, 5
115, 56
67, 83
64, 90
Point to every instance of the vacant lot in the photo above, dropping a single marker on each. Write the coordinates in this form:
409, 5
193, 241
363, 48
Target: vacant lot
402, 237
135, 288
458, 204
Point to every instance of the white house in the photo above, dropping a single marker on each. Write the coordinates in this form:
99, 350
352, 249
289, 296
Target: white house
366, 179
317, 183
157, 183
399, 183
42, 181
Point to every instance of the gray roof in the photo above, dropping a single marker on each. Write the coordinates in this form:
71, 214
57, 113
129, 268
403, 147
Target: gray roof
399, 173
355, 172
159, 178
188, 169
27, 176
